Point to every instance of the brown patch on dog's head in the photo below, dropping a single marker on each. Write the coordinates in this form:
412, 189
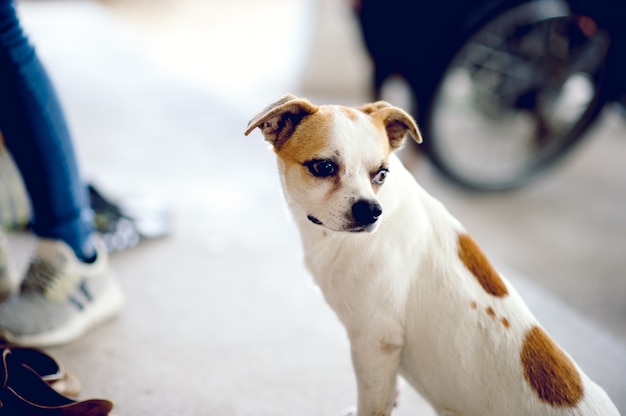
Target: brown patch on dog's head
490, 312
279, 120
549, 371
310, 137
505, 322
349, 112
370, 108
477, 263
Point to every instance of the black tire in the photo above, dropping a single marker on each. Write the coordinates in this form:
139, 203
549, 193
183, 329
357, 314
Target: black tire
498, 116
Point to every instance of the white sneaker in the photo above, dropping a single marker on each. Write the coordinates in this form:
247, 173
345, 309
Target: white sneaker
60, 298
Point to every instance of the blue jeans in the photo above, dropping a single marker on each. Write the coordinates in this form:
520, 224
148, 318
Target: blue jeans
37, 136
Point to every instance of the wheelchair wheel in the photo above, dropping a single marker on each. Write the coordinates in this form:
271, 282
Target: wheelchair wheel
517, 95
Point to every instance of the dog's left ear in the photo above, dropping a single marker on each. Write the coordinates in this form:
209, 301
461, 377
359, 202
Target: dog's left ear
397, 122
279, 120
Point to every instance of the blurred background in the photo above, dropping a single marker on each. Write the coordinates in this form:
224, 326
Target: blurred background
158, 94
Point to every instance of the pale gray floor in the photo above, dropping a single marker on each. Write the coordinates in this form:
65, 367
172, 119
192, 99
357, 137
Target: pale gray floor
222, 318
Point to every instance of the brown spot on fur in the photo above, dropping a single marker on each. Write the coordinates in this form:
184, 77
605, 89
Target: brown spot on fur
505, 323
550, 372
370, 108
349, 112
309, 139
490, 312
388, 347
473, 304
476, 262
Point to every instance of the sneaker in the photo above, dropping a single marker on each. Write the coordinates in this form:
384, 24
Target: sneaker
60, 298
7, 284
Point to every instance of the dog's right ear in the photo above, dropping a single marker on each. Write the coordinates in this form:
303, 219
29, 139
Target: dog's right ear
279, 120
397, 122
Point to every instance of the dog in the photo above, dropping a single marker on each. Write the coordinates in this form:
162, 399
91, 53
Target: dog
417, 296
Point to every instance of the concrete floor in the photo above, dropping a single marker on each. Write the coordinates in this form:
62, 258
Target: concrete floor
222, 318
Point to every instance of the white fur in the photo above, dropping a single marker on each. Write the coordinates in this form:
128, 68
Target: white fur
404, 296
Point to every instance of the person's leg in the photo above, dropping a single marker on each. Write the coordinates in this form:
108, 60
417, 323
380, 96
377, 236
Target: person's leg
67, 288
37, 136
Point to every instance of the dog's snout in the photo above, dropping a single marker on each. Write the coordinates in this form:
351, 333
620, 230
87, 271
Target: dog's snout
366, 212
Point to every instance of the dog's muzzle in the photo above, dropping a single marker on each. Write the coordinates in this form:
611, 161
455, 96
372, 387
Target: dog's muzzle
366, 212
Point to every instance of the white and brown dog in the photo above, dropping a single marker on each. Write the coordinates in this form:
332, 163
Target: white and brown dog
415, 293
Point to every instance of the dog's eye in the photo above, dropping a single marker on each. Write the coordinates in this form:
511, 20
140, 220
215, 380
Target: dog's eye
380, 177
322, 168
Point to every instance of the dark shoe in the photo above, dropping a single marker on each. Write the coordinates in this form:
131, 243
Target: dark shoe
24, 393
117, 230
45, 366
125, 223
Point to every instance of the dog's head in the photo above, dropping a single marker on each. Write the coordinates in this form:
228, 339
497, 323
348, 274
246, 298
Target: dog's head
334, 160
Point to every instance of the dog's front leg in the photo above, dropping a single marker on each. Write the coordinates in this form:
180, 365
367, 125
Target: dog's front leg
376, 367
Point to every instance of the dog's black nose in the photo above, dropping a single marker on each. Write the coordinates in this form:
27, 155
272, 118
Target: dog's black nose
366, 212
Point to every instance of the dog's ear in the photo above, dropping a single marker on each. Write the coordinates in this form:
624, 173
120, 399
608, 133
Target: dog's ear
397, 122
278, 121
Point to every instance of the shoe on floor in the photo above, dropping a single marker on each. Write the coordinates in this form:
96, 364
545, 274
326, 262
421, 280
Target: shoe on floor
60, 298
48, 368
23, 392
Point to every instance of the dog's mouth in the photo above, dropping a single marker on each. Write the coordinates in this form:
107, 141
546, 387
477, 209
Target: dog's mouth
353, 228
370, 228
314, 220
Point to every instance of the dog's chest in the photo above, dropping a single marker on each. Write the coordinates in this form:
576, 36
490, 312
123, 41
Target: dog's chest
361, 276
